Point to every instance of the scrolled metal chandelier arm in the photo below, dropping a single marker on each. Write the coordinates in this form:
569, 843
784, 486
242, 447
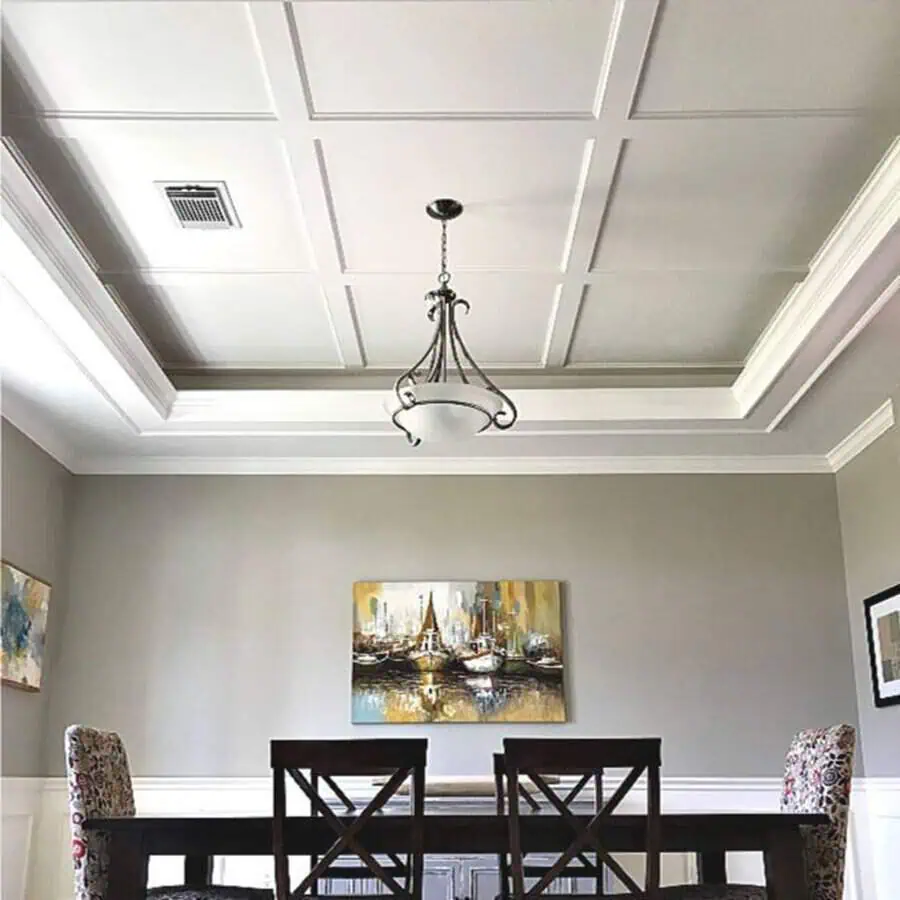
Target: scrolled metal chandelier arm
447, 362
508, 414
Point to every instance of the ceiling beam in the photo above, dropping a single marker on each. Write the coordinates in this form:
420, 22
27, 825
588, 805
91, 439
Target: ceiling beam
282, 62
623, 63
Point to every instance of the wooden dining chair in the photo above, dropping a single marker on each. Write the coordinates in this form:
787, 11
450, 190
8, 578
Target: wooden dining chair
532, 870
315, 764
585, 856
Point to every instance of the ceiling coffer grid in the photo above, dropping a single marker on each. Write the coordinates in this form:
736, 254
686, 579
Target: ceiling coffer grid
204, 204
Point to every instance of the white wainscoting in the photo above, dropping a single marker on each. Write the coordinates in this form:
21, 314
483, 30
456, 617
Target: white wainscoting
36, 863
20, 806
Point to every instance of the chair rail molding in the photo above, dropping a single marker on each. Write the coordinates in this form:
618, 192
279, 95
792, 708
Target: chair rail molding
37, 864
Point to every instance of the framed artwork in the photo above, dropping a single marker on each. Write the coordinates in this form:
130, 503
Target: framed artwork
883, 632
24, 627
457, 651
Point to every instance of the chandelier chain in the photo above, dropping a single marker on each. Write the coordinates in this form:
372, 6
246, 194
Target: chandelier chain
444, 277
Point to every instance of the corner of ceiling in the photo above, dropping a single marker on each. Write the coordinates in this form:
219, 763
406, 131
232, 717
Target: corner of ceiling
866, 224
867, 432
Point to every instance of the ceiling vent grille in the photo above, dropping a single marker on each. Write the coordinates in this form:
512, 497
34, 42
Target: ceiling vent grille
205, 204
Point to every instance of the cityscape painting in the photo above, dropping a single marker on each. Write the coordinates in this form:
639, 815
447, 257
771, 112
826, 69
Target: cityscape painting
457, 651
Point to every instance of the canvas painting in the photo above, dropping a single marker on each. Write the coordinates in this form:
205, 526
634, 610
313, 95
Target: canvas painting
24, 626
883, 628
461, 651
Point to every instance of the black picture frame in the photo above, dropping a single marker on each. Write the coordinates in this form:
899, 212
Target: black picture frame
871, 611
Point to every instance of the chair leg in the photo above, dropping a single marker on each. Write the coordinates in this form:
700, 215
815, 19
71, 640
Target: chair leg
503, 858
282, 873
599, 887
313, 859
515, 842
418, 843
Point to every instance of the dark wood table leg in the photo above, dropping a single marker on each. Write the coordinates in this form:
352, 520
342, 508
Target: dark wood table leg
127, 867
785, 868
711, 867
198, 871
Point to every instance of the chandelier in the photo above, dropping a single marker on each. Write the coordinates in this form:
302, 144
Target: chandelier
445, 395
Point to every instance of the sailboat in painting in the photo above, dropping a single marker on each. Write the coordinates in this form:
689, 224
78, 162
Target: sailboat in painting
457, 651
484, 656
429, 653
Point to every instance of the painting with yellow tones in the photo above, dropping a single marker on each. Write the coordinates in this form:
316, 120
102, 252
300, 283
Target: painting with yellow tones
458, 651
24, 627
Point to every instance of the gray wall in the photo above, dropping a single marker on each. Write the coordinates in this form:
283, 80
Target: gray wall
35, 498
214, 613
869, 494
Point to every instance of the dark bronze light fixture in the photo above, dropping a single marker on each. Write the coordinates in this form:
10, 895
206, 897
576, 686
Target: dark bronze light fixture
445, 395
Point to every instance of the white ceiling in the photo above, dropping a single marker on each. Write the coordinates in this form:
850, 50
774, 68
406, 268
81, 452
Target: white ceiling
645, 184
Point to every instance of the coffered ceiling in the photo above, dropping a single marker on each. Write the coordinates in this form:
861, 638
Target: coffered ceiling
680, 239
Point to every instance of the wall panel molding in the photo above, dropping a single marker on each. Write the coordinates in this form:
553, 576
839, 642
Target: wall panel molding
873, 869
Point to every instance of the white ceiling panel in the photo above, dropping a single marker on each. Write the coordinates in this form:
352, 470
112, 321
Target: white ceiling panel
676, 318
747, 55
124, 173
160, 57
539, 56
745, 195
507, 324
234, 321
518, 187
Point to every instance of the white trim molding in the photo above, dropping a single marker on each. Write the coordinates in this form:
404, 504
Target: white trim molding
47, 266
867, 432
45, 261
872, 864
421, 465
20, 802
867, 224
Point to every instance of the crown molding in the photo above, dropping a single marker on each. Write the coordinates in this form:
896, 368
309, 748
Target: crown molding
38, 430
411, 465
866, 224
45, 261
867, 432
886, 296
201, 409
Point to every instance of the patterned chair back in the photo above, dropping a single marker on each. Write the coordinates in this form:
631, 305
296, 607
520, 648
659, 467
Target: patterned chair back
99, 782
817, 776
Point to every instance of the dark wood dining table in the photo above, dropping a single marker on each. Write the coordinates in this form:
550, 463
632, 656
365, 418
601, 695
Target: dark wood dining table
710, 835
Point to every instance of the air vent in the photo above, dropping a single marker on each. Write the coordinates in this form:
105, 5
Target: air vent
206, 204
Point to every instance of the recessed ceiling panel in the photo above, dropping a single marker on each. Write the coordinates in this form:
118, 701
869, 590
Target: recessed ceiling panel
158, 57
747, 195
233, 321
126, 174
517, 184
675, 318
453, 57
747, 55
507, 324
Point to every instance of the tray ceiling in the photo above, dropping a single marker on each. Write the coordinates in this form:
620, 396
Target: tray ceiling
646, 183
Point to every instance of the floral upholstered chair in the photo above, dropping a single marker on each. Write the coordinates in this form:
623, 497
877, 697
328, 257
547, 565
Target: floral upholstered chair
817, 776
99, 784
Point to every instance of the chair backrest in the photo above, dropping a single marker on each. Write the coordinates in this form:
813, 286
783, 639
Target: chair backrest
99, 783
398, 759
535, 758
817, 776
593, 777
